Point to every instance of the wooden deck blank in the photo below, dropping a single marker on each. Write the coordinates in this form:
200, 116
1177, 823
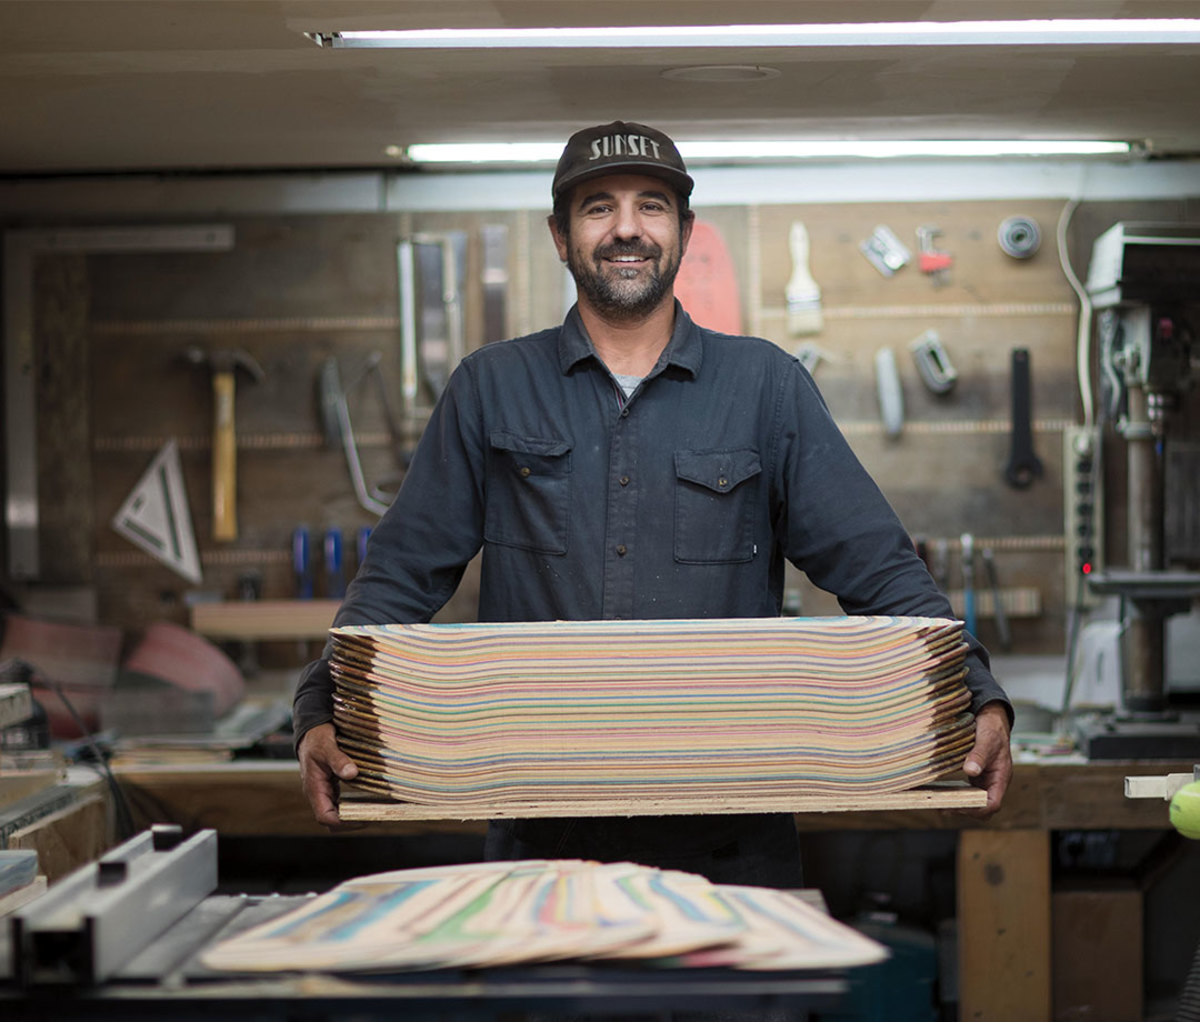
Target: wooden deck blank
949, 795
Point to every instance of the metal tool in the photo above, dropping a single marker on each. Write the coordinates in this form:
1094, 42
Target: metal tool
339, 429
155, 516
85, 927
225, 364
891, 396
809, 354
431, 268
998, 612
1024, 466
1019, 237
494, 242
933, 363
968, 574
335, 575
885, 251
302, 562
932, 261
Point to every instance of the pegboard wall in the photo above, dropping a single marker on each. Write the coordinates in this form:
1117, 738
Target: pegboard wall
114, 383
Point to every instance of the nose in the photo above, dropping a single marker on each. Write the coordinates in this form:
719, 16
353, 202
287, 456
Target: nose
627, 225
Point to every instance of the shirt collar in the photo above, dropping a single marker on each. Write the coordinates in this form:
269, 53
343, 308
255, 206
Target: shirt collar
685, 348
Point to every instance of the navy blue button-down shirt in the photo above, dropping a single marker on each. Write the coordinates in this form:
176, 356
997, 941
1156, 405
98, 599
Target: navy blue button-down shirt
681, 500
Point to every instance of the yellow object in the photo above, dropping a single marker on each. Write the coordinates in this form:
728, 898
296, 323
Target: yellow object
1185, 810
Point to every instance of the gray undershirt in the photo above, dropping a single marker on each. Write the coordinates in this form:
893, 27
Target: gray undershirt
628, 383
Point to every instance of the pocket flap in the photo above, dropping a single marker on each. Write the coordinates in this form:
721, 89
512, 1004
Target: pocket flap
547, 447
719, 471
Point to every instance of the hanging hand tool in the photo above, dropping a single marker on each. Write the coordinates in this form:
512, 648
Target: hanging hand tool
1019, 237
968, 574
339, 430
225, 363
933, 363
803, 294
933, 262
998, 611
335, 574
891, 396
1023, 465
302, 563
885, 251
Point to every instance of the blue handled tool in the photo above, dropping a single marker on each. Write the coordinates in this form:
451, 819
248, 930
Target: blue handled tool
302, 563
335, 576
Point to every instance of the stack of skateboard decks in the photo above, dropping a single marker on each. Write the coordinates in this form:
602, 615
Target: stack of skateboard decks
510, 913
684, 713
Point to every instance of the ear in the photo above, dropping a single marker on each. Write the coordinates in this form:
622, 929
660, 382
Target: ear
560, 242
685, 231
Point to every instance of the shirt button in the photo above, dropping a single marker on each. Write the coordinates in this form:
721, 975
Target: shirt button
624, 480
624, 413
722, 481
525, 471
622, 550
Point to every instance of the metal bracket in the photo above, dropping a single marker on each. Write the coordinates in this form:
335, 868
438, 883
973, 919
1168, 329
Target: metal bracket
84, 928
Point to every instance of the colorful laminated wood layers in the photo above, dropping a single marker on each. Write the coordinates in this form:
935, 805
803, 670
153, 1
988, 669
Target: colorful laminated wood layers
491, 714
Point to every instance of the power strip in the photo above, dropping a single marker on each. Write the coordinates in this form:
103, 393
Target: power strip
1083, 513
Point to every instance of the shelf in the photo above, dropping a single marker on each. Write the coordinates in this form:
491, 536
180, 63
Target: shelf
264, 619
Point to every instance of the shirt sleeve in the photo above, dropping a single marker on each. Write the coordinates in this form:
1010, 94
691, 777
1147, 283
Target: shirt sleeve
417, 553
840, 530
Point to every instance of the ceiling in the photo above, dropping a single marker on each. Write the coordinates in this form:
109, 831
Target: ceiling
176, 85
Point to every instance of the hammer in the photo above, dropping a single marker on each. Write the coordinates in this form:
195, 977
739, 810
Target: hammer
224, 364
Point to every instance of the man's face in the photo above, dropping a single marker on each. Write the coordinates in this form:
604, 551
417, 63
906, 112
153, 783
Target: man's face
625, 243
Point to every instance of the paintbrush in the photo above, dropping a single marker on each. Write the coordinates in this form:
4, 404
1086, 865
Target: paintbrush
803, 294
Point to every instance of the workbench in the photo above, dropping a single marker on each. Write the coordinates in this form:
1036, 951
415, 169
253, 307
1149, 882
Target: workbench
1003, 864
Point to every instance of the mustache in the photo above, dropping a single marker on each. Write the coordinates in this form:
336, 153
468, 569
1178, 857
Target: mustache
629, 248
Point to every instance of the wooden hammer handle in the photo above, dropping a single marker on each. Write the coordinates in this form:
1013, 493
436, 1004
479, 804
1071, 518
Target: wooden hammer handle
224, 458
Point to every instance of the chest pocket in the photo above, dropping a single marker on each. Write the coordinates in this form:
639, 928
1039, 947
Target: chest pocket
716, 494
528, 492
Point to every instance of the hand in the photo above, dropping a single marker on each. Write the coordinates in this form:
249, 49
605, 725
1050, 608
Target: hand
322, 765
989, 763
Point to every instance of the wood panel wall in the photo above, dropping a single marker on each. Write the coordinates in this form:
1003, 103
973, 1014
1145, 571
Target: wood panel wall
114, 382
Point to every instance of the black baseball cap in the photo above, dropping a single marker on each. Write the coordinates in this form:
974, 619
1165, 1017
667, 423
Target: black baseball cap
620, 147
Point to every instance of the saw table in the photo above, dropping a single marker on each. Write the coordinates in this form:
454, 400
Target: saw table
121, 939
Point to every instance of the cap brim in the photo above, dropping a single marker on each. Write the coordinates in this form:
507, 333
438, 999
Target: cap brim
676, 178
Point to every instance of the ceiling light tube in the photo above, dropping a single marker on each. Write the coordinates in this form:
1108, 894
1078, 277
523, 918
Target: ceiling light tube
1047, 32
497, 153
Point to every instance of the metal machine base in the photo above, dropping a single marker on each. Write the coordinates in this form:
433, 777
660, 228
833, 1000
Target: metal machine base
1117, 738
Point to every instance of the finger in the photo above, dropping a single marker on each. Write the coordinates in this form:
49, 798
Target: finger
321, 799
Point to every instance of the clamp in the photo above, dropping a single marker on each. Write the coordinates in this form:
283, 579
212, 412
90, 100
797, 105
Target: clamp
933, 262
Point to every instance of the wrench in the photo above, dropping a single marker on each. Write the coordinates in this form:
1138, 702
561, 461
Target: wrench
1023, 465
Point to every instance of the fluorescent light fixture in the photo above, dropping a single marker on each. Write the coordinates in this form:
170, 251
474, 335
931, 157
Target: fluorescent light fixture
1047, 32
715, 151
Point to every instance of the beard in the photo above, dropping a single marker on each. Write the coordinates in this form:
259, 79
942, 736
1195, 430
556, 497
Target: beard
624, 293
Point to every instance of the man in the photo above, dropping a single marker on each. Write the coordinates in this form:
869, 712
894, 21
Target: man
632, 465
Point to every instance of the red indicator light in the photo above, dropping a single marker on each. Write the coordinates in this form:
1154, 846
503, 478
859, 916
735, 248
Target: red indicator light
1086, 567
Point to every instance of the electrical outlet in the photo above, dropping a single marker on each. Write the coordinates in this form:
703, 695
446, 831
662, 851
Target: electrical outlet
1083, 513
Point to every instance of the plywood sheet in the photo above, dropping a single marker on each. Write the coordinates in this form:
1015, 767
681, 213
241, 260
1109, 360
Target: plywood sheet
945, 796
